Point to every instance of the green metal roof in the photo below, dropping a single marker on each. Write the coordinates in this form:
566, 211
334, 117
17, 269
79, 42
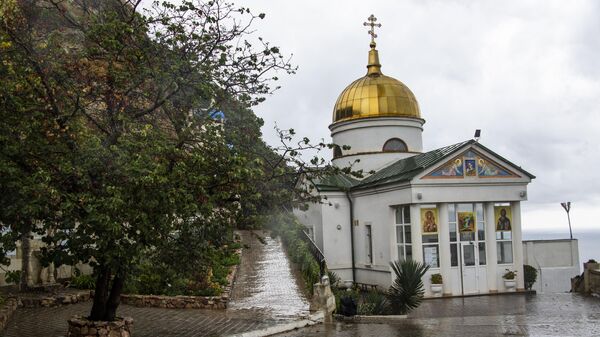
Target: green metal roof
402, 170
407, 168
338, 182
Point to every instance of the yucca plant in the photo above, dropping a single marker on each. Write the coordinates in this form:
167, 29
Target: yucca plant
406, 293
334, 279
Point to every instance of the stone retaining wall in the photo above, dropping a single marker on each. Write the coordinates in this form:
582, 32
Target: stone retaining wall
33, 300
6, 311
594, 281
55, 300
176, 302
232, 273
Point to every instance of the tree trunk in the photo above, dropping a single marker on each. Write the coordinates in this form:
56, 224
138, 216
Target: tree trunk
26, 280
115, 297
101, 294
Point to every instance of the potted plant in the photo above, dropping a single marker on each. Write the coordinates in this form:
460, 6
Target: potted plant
510, 282
437, 284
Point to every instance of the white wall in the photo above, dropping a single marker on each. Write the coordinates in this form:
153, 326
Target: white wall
313, 217
366, 138
557, 261
39, 274
369, 134
376, 211
337, 251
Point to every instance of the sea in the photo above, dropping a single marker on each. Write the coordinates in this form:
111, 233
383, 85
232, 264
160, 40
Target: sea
588, 242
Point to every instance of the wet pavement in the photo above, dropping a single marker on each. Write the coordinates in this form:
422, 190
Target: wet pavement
148, 322
265, 283
265, 294
507, 315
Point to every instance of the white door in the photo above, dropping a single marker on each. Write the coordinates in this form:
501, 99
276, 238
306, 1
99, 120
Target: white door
469, 265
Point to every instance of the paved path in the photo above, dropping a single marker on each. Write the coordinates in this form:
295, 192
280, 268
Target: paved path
265, 294
265, 283
511, 315
52, 322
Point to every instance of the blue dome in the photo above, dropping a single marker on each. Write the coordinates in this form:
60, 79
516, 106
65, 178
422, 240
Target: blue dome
217, 115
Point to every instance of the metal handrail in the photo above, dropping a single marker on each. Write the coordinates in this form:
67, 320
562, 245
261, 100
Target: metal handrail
316, 253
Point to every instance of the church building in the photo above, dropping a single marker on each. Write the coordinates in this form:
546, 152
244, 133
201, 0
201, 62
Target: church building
456, 208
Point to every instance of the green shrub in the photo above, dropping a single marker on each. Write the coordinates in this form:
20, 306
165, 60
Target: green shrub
13, 276
83, 282
222, 261
437, 279
208, 292
406, 293
151, 283
152, 278
230, 260
373, 303
530, 276
220, 273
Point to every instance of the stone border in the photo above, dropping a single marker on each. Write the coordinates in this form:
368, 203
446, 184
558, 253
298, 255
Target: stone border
491, 293
370, 318
7, 310
80, 326
55, 300
187, 302
283, 327
176, 302
232, 274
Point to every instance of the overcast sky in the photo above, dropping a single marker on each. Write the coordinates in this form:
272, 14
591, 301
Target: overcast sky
525, 72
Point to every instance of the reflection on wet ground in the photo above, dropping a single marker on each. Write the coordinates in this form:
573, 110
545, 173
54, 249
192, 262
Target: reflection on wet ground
512, 315
265, 283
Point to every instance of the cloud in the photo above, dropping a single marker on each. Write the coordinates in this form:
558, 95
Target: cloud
525, 72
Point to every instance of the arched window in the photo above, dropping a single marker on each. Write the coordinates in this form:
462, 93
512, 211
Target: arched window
395, 145
337, 151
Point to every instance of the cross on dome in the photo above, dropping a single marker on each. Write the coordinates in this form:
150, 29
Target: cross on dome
372, 19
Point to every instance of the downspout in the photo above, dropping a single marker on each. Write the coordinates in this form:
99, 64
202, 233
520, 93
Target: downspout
541, 283
351, 234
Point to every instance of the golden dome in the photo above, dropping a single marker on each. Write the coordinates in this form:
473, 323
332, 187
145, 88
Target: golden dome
375, 95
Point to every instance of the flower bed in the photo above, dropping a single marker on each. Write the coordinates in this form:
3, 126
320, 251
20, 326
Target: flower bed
186, 302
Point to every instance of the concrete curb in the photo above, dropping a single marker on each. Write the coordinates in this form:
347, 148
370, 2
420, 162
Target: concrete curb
504, 293
272, 330
370, 318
